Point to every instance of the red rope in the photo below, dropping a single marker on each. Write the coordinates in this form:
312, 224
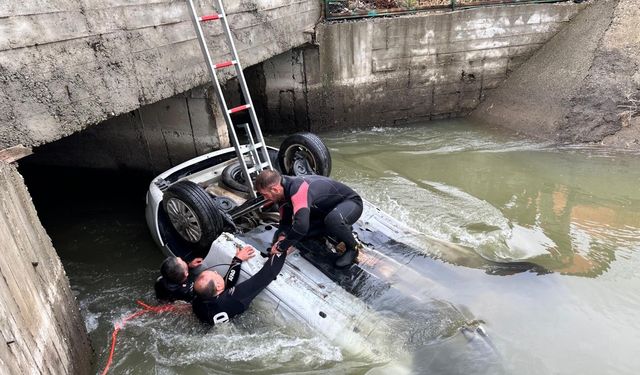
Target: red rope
145, 309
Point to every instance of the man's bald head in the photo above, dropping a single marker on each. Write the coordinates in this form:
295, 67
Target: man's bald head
208, 284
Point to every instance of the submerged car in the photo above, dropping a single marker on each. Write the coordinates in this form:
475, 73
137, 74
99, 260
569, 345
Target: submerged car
204, 208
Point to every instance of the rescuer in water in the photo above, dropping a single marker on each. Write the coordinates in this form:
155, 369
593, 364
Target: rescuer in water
219, 299
176, 280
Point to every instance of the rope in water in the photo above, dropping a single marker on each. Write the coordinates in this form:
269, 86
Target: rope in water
145, 309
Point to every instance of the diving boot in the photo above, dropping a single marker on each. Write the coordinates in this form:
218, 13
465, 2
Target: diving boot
347, 258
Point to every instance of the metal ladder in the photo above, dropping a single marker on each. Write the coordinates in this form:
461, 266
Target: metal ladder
252, 148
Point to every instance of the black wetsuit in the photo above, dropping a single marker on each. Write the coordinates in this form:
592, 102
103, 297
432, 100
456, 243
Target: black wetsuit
234, 299
317, 206
170, 291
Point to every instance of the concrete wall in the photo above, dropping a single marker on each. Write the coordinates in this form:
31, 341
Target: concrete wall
388, 71
41, 328
67, 64
583, 86
152, 138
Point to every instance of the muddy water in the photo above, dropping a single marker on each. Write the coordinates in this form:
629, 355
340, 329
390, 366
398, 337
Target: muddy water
553, 239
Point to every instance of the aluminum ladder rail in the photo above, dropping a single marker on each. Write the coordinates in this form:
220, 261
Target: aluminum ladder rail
252, 148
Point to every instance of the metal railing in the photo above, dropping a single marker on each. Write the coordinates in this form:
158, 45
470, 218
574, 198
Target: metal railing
343, 9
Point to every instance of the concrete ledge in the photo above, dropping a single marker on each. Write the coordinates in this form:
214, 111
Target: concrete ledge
70, 64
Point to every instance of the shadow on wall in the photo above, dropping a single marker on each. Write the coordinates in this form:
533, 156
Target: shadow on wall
151, 139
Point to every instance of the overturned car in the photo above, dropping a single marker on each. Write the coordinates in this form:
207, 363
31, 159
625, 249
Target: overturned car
205, 208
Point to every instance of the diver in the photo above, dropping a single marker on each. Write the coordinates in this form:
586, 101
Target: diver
218, 299
176, 280
312, 206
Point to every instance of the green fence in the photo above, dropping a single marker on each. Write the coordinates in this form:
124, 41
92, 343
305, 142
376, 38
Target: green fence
341, 9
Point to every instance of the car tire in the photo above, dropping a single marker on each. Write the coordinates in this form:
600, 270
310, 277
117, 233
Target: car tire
233, 178
232, 175
192, 214
304, 154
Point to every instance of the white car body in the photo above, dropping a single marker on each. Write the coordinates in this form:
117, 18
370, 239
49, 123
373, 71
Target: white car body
311, 290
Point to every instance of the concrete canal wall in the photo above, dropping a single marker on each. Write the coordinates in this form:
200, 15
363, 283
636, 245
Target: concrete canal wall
583, 86
152, 138
41, 328
388, 71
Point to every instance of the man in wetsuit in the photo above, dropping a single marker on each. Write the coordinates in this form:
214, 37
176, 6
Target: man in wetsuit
313, 206
176, 280
219, 299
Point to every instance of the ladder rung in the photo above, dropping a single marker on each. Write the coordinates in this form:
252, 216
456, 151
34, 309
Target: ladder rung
245, 149
239, 108
224, 64
258, 168
211, 17
251, 170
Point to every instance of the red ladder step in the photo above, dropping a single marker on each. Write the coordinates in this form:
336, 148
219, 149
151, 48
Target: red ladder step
224, 64
211, 17
239, 108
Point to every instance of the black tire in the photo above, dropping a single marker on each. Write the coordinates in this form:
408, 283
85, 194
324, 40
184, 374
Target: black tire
232, 175
304, 154
192, 214
233, 178
273, 156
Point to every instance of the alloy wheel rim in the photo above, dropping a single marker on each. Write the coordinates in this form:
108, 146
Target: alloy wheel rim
184, 220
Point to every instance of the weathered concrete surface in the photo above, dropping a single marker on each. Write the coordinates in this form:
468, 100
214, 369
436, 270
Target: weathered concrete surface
66, 64
583, 86
41, 328
150, 139
411, 68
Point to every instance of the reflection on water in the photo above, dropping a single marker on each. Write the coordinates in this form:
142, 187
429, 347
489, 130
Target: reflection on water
507, 202
567, 210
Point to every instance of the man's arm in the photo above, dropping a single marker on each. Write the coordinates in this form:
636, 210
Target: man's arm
286, 214
194, 269
300, 225
247, 290
233, 274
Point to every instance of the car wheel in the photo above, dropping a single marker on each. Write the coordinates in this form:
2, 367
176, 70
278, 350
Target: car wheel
232, 175
233, 178
304, 154
192, 214
273, 156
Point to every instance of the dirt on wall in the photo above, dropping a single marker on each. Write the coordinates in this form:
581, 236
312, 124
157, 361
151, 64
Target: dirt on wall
606, 109
582, 86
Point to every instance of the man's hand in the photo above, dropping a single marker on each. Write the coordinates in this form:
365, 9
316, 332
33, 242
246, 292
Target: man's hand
245, 253
196, 262
274, 247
